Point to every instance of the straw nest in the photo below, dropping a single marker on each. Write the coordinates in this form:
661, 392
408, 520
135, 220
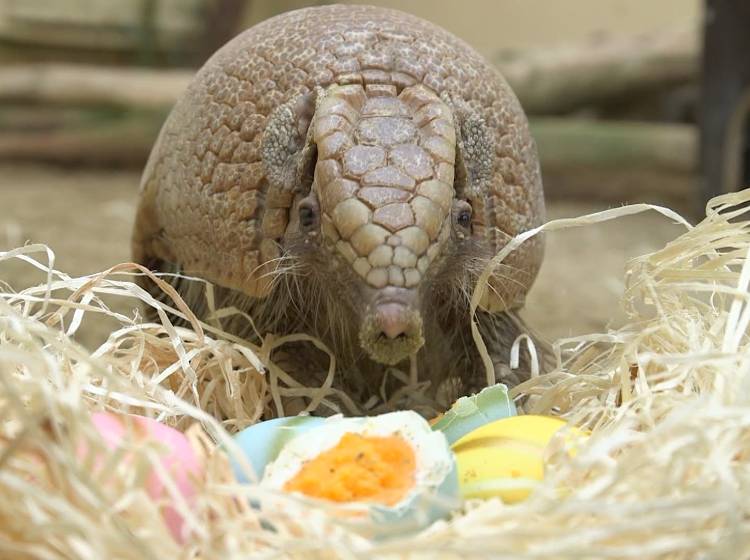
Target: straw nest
667, 397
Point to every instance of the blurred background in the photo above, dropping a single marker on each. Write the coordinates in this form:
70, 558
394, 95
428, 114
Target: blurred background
629, 101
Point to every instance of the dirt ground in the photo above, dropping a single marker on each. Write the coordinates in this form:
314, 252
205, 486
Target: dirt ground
86, 217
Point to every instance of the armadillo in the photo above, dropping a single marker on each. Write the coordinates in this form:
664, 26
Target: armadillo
347, 172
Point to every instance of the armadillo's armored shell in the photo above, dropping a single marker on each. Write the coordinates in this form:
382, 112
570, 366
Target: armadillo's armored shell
205, 199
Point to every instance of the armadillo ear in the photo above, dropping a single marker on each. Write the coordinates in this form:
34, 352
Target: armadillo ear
287, 149
476, 180
474, 150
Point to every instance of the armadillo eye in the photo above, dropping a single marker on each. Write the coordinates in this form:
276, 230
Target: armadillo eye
464, 218
306, 216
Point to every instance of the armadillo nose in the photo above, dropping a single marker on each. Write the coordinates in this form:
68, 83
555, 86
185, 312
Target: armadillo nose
393, 319
391, 331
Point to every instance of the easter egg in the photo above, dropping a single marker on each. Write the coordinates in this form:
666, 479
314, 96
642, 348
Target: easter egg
393, 474
469, 413
178, 459
262, 442
506, 458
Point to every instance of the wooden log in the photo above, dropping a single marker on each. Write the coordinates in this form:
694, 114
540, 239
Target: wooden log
143, 30
561, 79
574, 142
618, 162
27, 118
84, 85
124, 142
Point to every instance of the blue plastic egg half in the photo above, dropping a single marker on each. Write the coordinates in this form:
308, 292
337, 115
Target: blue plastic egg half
261, 443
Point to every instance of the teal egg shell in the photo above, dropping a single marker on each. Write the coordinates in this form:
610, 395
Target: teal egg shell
261, 443
469, 413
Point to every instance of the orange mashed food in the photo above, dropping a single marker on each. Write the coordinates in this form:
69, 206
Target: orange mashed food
359, 468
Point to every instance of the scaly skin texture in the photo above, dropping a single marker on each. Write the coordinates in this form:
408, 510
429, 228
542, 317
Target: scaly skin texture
347, 172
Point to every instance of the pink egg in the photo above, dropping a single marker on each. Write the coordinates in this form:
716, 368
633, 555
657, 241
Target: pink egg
179, 459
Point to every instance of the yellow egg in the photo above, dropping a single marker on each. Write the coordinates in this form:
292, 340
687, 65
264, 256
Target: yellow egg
506, 458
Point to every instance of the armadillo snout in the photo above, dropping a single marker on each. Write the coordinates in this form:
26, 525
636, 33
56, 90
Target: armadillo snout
392, 327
